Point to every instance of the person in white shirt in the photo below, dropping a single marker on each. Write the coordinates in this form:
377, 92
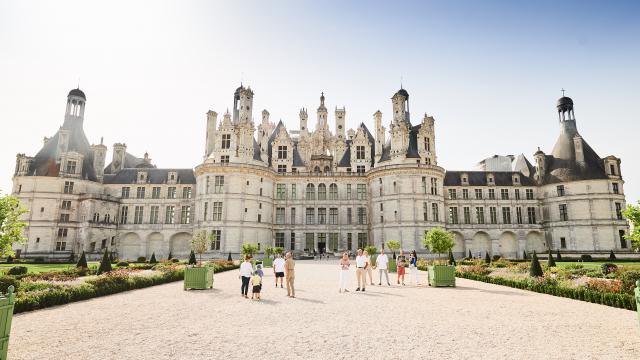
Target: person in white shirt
246, 270
382, 262
278, 269
361, 272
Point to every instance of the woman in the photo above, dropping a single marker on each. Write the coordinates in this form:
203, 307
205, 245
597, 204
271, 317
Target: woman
413, 266
401, 260
368, 268
344, 272
245, 275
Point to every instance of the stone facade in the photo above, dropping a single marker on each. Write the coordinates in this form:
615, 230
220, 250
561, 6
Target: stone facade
315, 190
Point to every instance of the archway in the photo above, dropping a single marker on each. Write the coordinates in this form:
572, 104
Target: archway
535, 241
130, 246
458, 248
508, 245
481, 244
180, 244
155, 242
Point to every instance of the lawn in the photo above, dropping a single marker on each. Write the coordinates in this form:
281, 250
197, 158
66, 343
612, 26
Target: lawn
596, 264
39, 268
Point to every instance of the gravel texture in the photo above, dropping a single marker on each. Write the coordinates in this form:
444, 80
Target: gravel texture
474, 320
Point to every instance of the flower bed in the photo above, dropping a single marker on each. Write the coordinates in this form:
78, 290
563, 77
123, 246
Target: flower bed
37, 293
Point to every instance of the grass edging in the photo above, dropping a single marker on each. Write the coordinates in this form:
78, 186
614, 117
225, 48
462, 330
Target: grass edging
107, 284
618, 300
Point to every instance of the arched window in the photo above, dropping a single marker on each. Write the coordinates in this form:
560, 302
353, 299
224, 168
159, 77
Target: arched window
311, 192
327, 170
316, 169
322, 192
333, 192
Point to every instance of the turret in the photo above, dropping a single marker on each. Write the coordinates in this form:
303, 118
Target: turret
541, 165
74, 114
117, 161
242, 105
304, 117
400, 102
322, 114
99, 156
212, 124
340, 120
380, 137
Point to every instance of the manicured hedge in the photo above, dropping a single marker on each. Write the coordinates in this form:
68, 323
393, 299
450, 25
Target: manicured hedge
106, 284
623, 301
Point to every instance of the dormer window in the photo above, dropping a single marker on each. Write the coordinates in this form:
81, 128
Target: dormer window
282, 152
142, 176
464, 179
490, 179
516, 179
172, 176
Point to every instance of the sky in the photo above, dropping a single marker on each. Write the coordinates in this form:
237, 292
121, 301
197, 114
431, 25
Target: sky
490, 72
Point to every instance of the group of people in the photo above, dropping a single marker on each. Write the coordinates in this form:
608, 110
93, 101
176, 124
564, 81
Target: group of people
364, 269
282, 268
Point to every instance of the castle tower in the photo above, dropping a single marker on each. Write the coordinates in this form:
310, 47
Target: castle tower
74, 114
400, 102
340, 120
117, 161
304, 117
380, 137
212, 123
242, 104
322, 114
99, 156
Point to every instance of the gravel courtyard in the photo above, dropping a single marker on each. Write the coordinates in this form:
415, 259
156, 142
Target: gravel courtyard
473, 320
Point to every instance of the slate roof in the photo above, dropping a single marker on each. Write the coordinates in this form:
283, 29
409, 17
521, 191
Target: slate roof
154, 176
479, 178
130, 161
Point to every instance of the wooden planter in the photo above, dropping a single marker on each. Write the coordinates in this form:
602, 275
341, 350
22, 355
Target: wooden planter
198, 277
637, 291
442, 275
6, 315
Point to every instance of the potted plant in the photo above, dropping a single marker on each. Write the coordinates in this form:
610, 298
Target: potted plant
198, 276
440, 242
268, 252
393, 245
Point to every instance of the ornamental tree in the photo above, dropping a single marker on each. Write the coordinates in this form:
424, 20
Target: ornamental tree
153, 259
268, 251
393, 245
551, 262
452, 261
372, 250
82, 262
249, 249
470, 255
192, 258
632, 213
558, 256
438, 241
536, 269
10, 225
612, 256
105, 264
487, 258
199, 243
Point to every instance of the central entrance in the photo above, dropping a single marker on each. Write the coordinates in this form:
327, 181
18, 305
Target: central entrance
322, 243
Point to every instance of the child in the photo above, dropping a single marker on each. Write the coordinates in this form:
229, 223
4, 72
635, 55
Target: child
259, 270
256, 282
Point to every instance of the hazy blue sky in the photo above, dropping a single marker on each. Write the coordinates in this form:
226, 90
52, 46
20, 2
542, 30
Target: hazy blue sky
490, 72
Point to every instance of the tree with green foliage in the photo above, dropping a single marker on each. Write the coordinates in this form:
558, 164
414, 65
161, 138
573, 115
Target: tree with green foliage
72, 257
82, 262
10, 225
372, 250
536, 268
153, 259
199, 243
393, 245
551, 262
558, 256
487, 258
632, 213
438, 241
249, 249
192, 258
278, 250
470, 255
105, 264
269, 251
452, 261
612, 256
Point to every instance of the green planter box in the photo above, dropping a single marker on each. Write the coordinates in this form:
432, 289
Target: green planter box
442, 275
267, 262
6, 315
637, 291
392, 266
198, 277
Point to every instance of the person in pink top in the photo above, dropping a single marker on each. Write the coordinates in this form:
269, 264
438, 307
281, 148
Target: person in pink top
344, 272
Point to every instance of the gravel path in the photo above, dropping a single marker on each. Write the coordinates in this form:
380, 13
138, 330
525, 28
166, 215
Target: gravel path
473, 320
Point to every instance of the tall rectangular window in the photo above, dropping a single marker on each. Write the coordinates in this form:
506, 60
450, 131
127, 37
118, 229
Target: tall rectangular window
453, 194
205, 211
216, 211
124, 214
349, 216
619, 211
519, 215
435, 214
615, 188
348, 191
310, 216
453, 215
424, 184
140, 192
466, 212
425, 211
308, 241
293, 216
478, 194
493, 215
218, 186
280, 240
362, 191
68, 187
434, 186
333, 192
137, 215
362, 240
125, 192
294, 191
560, 190
516, 194
564, 216
563, 243
171, 192
529, 193
153, 217
362, 216
281, 191
333, 242
185, 215
226, 141
492, 194
216, 236
504, 194
360, 152
186, 192
623, 240
506, 215
349, 241
322, 192
465, 194
282, 154
280, 215
155, 192
322, 216
71, 167
169, 214
333, 216
293, 241
480, 215
531, 215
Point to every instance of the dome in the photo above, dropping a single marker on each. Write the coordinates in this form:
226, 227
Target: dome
403, 92
565, 103
78, 93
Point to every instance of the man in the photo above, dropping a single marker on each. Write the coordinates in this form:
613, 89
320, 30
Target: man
361, 265
278, 269
382, 262
289, 266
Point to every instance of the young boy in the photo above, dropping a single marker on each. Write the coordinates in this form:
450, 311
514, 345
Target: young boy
256, 282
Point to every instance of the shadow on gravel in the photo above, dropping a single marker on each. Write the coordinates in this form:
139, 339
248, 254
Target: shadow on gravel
497, 292
308, 300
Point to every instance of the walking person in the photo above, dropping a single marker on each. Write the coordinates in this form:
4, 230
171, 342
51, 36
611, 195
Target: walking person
344, 272
401, 260
256, 282
361, 265
278, 269
382, 263
290, 274
245, 275
369, 268
413, 267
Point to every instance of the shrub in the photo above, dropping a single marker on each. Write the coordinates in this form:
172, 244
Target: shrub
452, 261
174, 260
229, 257
192, 258
82, 262
9, 259
39, 260
18, 270
470, 256
6, 281
496, 257
153, 259
170, 257
123, 264
558, 256
536, 269
141, 259
586, 258
608, 268
487, 258
524, 255
628, 280
372, 250
105, 264
612, 256
602, 285
551, 262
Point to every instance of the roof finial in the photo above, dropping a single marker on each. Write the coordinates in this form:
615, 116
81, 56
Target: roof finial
400, 81
563, 90
78, 83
